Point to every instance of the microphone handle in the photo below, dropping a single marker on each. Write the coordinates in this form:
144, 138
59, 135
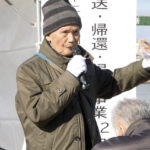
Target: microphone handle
83, 81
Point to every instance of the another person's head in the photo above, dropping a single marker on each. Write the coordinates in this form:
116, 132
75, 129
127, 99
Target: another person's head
127, 112
61, 26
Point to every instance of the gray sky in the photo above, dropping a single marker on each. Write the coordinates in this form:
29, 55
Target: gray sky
143, 7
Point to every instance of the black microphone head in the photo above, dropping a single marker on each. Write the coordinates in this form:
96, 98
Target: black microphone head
76, 50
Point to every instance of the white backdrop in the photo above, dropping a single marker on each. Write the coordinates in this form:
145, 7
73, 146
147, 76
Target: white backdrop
120, 20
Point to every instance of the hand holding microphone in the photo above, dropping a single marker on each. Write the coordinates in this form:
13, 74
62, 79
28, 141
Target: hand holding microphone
146, 55
77, 65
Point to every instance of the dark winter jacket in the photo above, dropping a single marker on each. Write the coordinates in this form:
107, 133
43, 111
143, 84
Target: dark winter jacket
137, 137
56, 114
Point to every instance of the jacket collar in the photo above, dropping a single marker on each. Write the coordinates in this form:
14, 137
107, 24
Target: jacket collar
138, 126
60, 60
51, 54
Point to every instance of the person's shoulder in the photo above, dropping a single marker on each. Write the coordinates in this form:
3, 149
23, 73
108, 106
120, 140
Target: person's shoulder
33, 59
30, 63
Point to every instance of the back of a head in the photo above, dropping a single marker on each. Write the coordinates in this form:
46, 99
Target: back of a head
130, 110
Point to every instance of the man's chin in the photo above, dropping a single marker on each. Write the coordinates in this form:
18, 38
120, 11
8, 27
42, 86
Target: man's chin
68, 55
68, 52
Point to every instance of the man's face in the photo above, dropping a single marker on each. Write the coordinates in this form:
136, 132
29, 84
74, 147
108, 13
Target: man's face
63, 39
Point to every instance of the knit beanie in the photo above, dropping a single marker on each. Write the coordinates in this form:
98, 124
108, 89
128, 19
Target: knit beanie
58, 13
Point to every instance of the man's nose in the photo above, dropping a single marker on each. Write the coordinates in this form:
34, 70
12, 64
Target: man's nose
71, 37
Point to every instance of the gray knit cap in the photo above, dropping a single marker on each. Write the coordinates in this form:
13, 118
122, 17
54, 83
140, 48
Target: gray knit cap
58, 13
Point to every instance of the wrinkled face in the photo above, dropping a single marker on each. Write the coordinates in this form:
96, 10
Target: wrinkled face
63, 39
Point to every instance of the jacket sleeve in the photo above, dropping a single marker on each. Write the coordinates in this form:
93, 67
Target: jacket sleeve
134, 142
43, 104
122, 79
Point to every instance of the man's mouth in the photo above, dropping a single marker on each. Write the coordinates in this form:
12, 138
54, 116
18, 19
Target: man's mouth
69, 47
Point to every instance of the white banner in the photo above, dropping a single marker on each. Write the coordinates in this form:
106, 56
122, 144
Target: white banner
109, 34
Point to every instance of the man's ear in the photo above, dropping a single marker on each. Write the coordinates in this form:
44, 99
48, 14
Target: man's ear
121, 128
121, 131
48, 38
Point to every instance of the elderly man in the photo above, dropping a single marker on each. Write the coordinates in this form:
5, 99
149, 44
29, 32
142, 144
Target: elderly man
131, 120
55, 111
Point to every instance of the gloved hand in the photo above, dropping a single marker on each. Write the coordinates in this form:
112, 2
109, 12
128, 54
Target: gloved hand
77, 65
146, 60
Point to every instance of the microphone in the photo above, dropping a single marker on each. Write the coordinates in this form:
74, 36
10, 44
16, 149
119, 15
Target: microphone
77, 51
